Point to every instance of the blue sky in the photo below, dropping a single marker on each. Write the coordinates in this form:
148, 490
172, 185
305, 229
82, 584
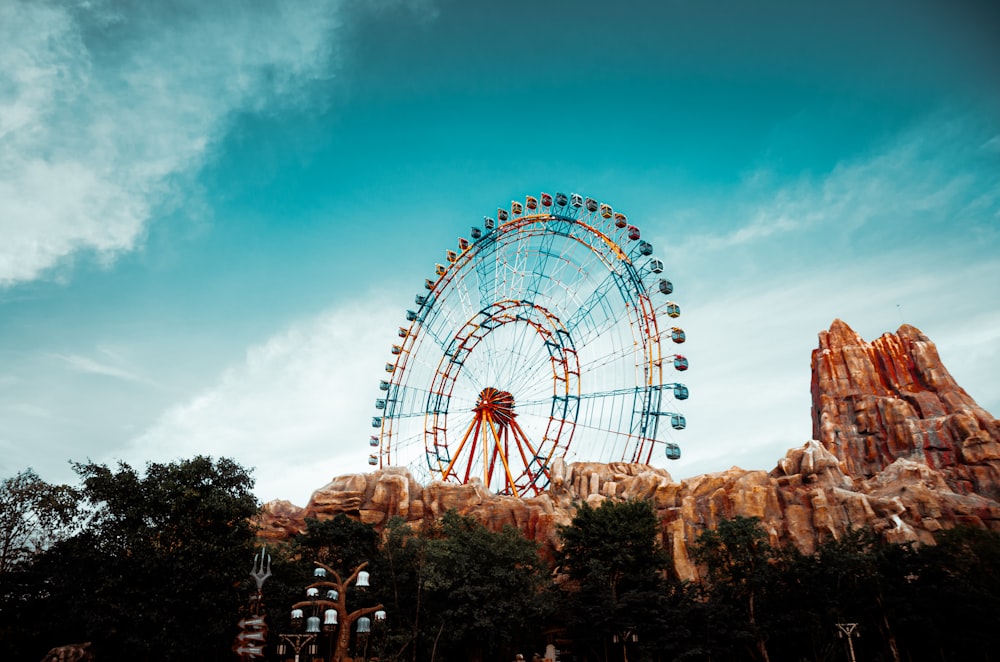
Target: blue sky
213, 215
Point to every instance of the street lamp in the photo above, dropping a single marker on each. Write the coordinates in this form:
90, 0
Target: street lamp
848, 630
625, 638
326, 603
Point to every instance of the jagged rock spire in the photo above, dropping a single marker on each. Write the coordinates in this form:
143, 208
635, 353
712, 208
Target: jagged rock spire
892, 398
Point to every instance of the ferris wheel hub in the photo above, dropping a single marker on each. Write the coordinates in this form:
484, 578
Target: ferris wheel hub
496, 404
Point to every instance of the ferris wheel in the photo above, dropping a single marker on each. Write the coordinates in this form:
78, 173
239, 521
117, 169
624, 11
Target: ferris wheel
538, 337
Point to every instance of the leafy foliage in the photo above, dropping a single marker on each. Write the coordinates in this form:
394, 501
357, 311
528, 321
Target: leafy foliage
153, 575
617, 579
153, 565
33, 515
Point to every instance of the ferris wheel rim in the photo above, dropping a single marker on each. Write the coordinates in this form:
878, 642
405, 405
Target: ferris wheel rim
642, 320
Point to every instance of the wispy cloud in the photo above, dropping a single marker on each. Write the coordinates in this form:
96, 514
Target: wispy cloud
297, 408
934, 170
112, 366
901, 234
102, 105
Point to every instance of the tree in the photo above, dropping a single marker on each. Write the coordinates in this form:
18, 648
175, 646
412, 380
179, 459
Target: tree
340, 542
739, 560
616, 567
33, 515
154, 575
481, 591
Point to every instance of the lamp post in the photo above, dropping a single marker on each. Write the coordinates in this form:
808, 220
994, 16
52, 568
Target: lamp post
625, 638
326, 603
297, 642
847, 629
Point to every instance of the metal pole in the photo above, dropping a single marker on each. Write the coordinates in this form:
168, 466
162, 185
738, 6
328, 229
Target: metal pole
847, 629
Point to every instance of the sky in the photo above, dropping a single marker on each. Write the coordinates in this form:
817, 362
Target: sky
213, 216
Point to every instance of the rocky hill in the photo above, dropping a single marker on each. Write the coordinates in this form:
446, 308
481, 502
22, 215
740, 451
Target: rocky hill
898, 446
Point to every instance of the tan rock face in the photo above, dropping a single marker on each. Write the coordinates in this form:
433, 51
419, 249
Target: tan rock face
898, 447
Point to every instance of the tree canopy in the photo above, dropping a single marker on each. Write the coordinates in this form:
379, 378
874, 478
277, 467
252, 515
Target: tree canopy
153, 573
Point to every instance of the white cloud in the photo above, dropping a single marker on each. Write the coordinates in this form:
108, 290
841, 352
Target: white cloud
297, 409
933, 170
111, 365
878, 241
100, 106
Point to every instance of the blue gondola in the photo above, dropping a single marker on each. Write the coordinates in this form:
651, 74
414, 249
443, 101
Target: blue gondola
677, 422
673, 452
561, 199
680, 391
645, 248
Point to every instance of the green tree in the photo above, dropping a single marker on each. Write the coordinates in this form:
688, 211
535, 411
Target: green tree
33, 515
155, 573
739, 560
481, 591
452, 589
616, 567
955, 590
403, 562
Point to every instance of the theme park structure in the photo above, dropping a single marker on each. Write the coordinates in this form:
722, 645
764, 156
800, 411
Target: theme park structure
543, 335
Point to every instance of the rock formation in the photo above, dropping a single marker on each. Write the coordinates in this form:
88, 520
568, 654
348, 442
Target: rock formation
898, 447
876, 402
